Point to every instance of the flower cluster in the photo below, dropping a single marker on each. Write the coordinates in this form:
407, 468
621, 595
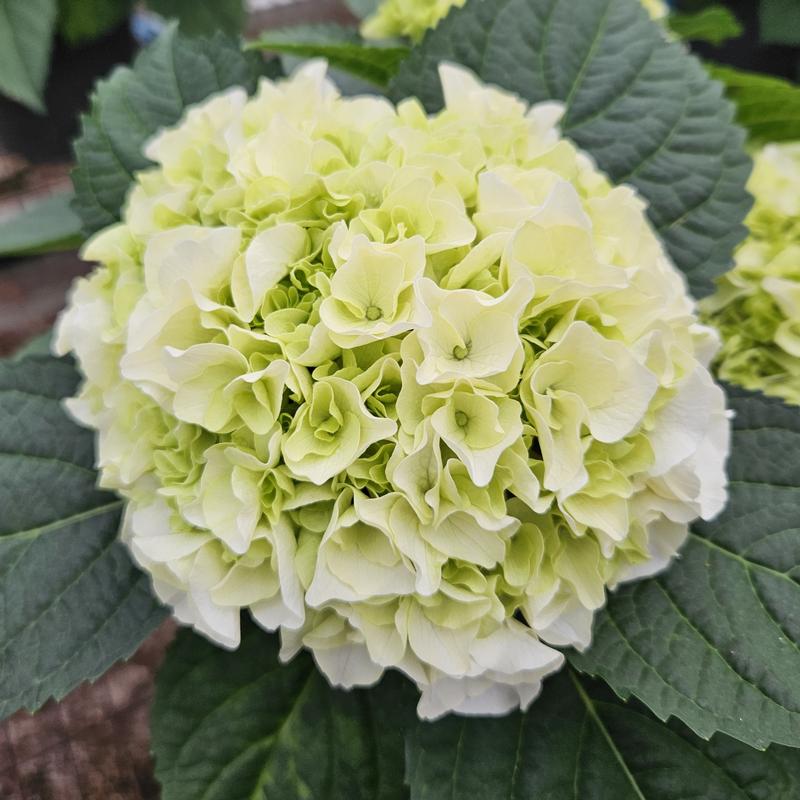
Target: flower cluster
409, 18
658, 9
757, 304
414, 390
412, 18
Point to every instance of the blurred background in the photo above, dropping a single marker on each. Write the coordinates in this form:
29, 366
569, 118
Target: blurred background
95, 743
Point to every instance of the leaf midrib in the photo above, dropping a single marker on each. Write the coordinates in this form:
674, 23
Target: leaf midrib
595, 717
258, 791
64, 522
577, 82
592, 713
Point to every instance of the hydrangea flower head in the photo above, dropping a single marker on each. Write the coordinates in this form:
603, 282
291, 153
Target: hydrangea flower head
757, 304
658, 9
412, 389
412, 18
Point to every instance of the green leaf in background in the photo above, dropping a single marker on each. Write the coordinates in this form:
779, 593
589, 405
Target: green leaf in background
575, 742
780, 22
72, 601
769, 108
81, 21
45, 226
26, 36
39, 345
342, 47
715, 24
231, 726
134, 103
204, 17
715, 640
643, 107
362, 8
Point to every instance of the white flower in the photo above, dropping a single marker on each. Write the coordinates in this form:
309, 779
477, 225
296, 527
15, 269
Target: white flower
413, 390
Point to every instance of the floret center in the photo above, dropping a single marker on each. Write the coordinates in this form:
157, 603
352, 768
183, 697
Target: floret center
460, 352
373, 313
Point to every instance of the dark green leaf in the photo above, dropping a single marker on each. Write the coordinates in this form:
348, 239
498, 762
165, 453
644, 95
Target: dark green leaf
715, 24
72, 602
342, 47
768, 107
642, 106
134, 103
26, 36
234, 726
715, 641
204, 17
82, 21
576, 743
780, 21
43, 227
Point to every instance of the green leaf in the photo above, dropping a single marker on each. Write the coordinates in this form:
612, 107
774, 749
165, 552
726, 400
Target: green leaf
342, 47
39, 345
72, 602
715, 641
769, 108
42, 227
780, 22
715, 24
81, 21
26, 36
230, 726
134, 103
643, 107
362, 8
204, 17
576, 743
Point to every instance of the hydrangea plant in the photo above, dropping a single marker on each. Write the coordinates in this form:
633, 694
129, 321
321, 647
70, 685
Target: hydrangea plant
419, 385
757, 305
